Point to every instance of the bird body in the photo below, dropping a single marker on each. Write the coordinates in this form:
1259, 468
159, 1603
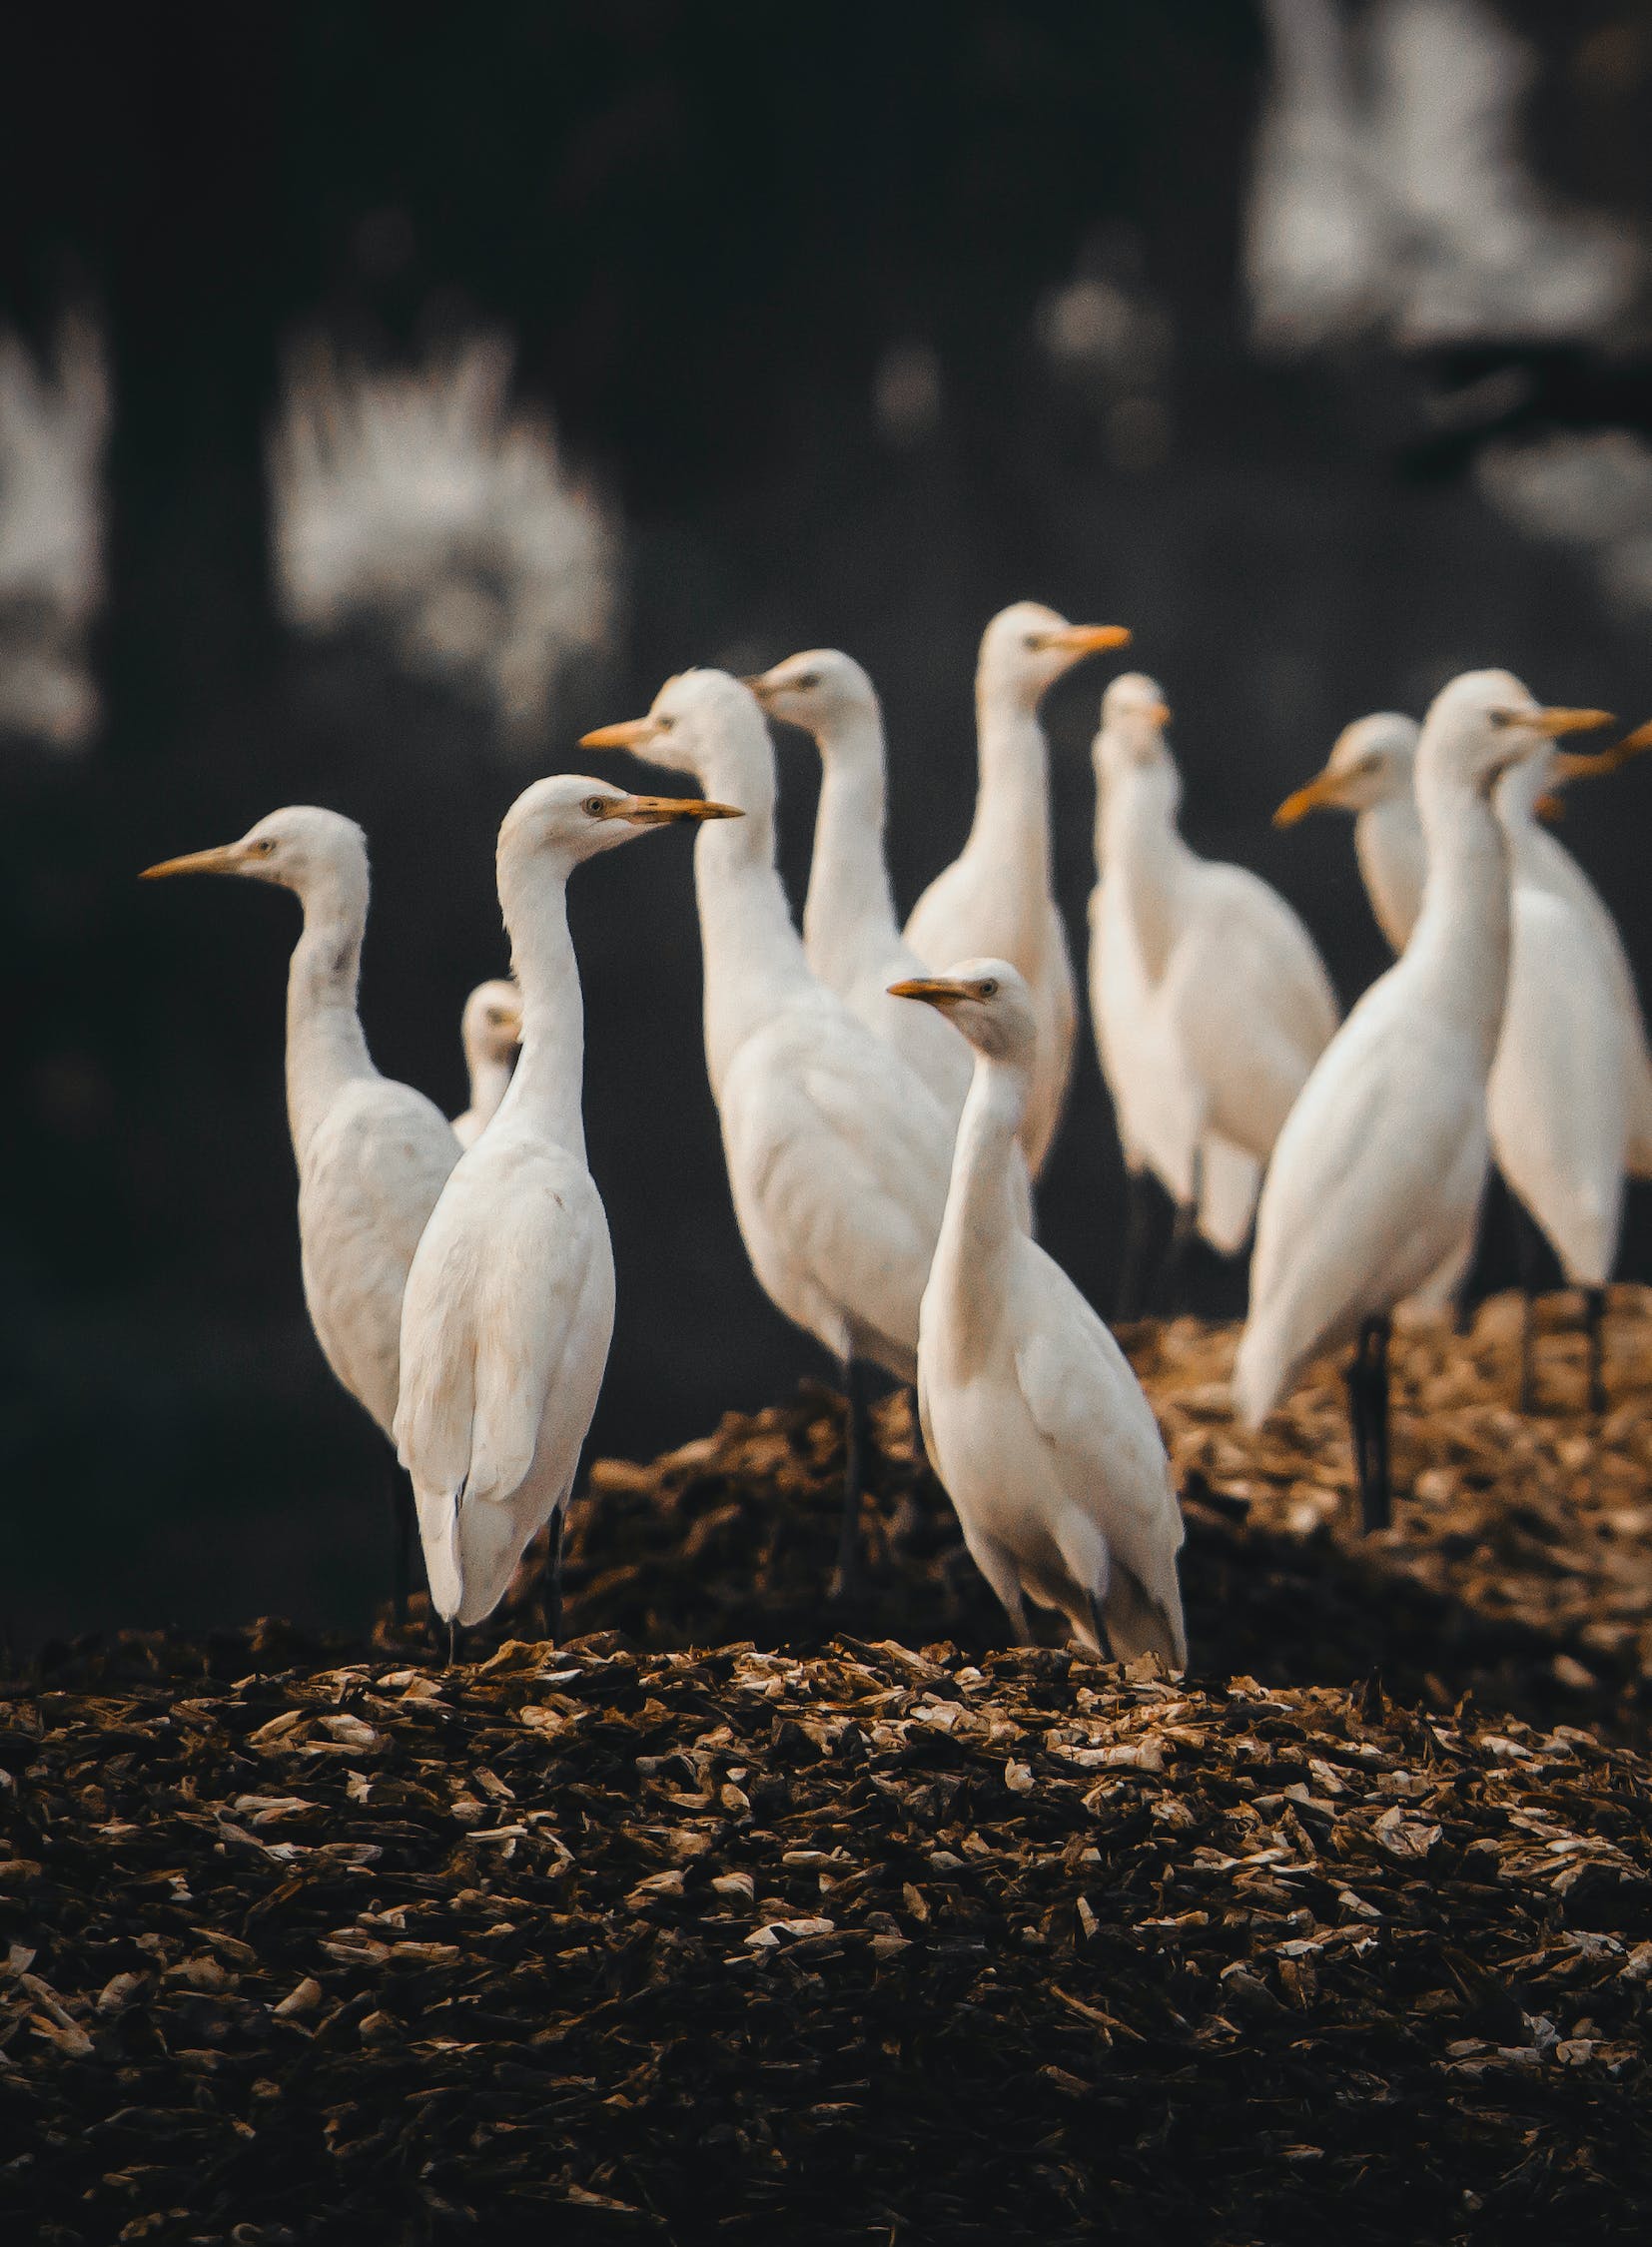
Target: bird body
489, 1032
997, 896
372, 1155
509, 1304
838, 1154
1378, 1170
1209, 1001
1031, 1416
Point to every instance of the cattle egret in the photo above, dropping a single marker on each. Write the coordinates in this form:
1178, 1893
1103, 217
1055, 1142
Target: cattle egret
510, 1302
838, 1154
372, 1155
1033, 1418
851, 937
1570, 1093
1377, 1174
1210, 1003
997, 896
489, 1031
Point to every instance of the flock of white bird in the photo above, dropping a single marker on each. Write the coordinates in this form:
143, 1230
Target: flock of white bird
887, 1099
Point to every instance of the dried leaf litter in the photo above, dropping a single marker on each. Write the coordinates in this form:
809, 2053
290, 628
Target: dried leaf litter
871, 1942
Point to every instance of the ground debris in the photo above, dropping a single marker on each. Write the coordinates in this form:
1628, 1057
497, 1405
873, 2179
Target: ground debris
590, 1941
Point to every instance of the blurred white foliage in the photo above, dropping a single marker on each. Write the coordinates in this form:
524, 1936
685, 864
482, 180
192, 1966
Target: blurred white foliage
1111, 341
1389, 187
1591, 489
423, 502
54, 423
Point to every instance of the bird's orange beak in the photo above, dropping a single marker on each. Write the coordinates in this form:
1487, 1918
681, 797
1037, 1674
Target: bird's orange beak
935, 990
224, 859
1324, 788
631, 733
1570, 764
1556, 722
666, 811
1084, 639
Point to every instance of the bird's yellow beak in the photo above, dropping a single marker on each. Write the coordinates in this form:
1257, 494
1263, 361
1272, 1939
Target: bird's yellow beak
762, 683
1324, 788
1570, 764
1550, 807
935, 990
631, 733
1556, 722
224, 859
1159, 715
665, 811
1082, 639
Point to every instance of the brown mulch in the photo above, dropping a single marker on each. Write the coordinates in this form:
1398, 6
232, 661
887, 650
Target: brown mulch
872, 1945
622, 1942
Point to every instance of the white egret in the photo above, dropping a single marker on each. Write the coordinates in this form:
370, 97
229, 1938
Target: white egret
838, 1154
997, 896
372, 1155
1033, 1418
1378, 1172
1570, 1091
491, 1030
1209, 1001
509, 1310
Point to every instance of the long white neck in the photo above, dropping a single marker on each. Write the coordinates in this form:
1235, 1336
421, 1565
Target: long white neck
1388, 840
1139, 845
1012, 800
546, 1095
849, 918
984, 1218
490, 1080
1459, 952
325, 1048
754, 957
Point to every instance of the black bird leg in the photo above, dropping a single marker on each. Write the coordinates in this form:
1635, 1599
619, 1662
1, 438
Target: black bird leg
1528, 1252
1133, 1257
553, 1581
400, 1492
1594, 1313
1367, 1381
857, 1438
1181, 1237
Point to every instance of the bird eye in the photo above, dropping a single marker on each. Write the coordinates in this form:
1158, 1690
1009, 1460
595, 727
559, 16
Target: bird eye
1505, 717
264, 846
665, 724
1033, 641
987, 988
597, 806
807, 681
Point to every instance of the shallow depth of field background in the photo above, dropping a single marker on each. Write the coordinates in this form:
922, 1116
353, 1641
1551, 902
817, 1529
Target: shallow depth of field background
1309, 340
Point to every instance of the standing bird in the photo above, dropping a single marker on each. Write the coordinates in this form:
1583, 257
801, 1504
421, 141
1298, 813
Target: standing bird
1570, 1091
1036, 1424
510, 1302
372, 1155
491, 1030
838, 1154
1210, 1002
997, 896
1378, 1172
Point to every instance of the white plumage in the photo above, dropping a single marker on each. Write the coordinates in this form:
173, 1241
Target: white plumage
510, 1302
997, 896
1377, 1174
372, 1155
1209, 1001
489, 1031
1033, 1418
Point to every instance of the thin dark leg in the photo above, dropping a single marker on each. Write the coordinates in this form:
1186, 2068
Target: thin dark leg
1594, 1312
1528, 1251
1133, 1257
1182, 1236
452, 1643
857, 1433
1379, 1503
400, 1493
553, 1581
1358, 1388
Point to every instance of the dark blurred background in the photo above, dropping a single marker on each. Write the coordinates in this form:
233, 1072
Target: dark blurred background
1309, 340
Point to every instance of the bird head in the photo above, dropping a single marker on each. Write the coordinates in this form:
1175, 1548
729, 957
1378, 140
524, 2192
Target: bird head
1027, 647
295, 848
1484, 723
1370, 764
570, 819
694, 715
987, 999
1131, 732
818, 690
490, 1027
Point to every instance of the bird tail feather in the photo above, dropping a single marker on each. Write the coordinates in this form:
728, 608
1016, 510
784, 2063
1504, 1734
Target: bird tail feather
1138, 1624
